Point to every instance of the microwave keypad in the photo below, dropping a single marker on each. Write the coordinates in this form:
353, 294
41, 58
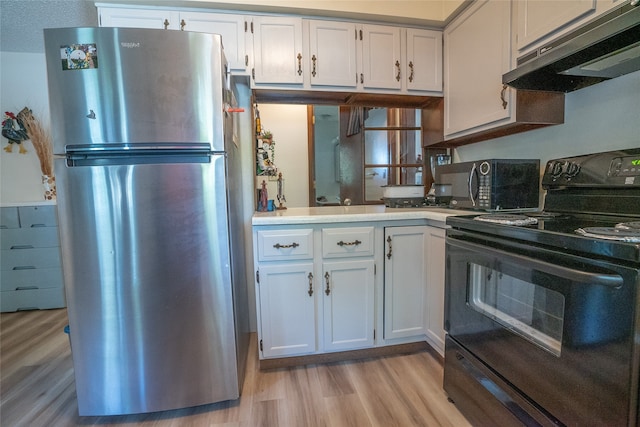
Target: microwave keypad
484, 191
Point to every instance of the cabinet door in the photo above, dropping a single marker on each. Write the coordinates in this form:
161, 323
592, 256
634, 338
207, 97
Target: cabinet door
287, 309
424, 60
348, 304
332, 50
405, 281
277, 49
538, 18
232, 29
381, 67
138, 18
435, 261
476, 54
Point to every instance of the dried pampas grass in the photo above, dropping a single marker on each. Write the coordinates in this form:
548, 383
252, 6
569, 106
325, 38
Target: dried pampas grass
40, 138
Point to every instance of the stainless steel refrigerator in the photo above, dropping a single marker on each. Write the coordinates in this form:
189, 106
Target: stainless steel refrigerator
148, 182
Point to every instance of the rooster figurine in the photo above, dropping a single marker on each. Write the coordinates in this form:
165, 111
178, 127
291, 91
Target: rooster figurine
15, 136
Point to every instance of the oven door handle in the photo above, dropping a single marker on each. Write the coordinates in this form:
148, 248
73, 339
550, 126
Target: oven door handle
609, 280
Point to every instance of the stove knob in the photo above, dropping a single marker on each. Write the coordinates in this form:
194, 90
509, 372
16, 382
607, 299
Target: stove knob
555, 169
571, 169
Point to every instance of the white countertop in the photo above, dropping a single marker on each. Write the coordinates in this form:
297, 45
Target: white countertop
359, 213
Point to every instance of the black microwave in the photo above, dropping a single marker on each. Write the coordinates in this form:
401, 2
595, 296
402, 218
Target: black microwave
491, 185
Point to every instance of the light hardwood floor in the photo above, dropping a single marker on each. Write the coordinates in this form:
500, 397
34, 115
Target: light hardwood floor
37, 388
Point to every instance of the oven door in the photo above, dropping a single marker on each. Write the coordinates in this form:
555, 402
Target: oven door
557, 327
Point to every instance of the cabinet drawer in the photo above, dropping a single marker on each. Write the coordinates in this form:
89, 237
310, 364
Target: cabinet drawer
9, 218
341, 242
32, 299
38, 216
285, 244
25, 259
27, 238
34, 278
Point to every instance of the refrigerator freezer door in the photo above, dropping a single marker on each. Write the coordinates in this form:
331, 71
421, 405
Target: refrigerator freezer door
148, 281
130, 85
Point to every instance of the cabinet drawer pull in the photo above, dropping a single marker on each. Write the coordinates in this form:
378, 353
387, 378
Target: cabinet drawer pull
21, 247
326, 279
279, 246
310, 276
24, 267
354, 243
38, 225
26, 288
389, 244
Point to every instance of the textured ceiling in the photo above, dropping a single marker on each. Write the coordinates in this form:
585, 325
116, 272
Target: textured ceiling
22, 21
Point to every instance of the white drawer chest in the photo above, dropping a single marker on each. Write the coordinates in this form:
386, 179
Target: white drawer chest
30, 267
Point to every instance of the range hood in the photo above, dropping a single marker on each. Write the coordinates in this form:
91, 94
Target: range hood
605, 48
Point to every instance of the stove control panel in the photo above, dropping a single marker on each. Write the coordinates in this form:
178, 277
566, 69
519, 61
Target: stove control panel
610, 169
625, 166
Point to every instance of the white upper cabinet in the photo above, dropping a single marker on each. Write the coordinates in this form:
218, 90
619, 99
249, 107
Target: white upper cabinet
232, 28
332, 54
139, 18
277, 49
537, 18
477, 51
423, 62
381, 56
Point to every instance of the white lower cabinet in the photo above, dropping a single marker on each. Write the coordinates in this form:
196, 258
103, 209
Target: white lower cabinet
320, 288
287, 309
405, 280
435, 262
348, 304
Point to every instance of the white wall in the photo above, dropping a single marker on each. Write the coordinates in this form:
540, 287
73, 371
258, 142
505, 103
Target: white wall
288, 123
598, 118
23, 83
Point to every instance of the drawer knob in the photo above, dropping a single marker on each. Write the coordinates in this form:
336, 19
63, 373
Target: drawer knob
279, 246
354, 243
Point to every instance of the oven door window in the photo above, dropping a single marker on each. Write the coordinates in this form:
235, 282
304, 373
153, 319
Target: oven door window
533, 312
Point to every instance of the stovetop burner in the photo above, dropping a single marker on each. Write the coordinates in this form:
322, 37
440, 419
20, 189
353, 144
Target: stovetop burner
623, 232
507, 219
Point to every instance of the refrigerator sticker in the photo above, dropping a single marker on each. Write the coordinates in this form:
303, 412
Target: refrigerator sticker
79, 56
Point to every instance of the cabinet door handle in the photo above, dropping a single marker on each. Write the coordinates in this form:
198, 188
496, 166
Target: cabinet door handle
502, 98
326, 279
361, 78
411, 68
166, 24
354, 243
310, 276
313, 60
279, 246
389, 245
182, 25
398, 68
299, 64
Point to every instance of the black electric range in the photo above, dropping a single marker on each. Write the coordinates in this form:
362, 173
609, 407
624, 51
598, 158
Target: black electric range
592, 206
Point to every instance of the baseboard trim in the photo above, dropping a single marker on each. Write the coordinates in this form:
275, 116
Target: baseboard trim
340, 356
